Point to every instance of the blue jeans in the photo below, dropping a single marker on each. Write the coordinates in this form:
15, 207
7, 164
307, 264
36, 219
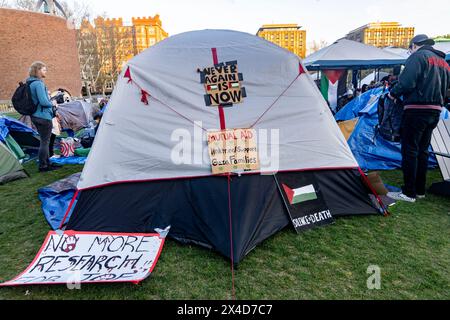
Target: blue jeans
417, 130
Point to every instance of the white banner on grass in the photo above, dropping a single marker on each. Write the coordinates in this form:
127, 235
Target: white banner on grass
91, 257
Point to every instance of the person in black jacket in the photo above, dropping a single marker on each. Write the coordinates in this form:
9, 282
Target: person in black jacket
423, 87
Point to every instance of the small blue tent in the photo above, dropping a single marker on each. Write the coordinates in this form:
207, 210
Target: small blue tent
11, 126
370, 150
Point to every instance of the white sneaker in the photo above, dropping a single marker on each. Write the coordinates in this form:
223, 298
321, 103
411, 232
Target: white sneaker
399, 196
421, 196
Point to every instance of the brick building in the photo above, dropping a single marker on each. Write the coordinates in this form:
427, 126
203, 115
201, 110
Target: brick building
27, 36
383, 34
106, 46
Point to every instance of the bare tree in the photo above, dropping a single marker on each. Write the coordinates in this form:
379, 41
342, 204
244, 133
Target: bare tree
90, 64
102, 51
5, 4
29, 5
114, 46
76, 13
316, 46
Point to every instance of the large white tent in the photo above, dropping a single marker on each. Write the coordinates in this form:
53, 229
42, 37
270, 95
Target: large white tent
348, 54
136, 178
268, 70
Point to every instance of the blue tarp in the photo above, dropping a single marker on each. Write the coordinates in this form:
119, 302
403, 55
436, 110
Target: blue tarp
69, 160
56, 199
352, 109
370, 150
8, 124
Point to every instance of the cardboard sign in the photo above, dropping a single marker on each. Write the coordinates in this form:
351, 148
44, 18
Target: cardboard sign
83, 257
222, 84
304, 201
233, 151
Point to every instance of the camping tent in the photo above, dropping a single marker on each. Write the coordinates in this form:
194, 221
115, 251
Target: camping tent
444, 46
369, 148
347, 54
75, 115
24, 136
343, 55
374, 77
10, 167
147, 167
398, 51
16, 140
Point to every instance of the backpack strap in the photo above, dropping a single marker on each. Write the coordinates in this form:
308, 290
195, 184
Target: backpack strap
31, 81
29, 84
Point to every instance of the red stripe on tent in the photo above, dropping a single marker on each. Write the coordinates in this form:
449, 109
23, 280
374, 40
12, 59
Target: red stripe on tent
69, 208
223, 125
289, 193
233, 290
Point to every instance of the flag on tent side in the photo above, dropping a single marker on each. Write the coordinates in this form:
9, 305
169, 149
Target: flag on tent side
304, 201
300, 195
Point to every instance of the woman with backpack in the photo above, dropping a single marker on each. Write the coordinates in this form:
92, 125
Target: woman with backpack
44, 114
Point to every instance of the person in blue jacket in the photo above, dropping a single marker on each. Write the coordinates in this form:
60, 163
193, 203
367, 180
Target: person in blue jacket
44, 115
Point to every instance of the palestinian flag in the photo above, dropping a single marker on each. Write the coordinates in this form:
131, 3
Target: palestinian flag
300, 195
329, 86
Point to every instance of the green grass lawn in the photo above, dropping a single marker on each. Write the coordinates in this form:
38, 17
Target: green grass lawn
412, 248
14, 115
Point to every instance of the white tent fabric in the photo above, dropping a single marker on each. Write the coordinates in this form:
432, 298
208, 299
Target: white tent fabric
136, 142
444, 47
351, 54
398, 51
373, 77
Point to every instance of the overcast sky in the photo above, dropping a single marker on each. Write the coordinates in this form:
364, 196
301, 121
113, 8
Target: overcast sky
323, 19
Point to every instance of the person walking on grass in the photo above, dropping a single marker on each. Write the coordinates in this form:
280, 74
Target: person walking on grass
43, 117
423, 87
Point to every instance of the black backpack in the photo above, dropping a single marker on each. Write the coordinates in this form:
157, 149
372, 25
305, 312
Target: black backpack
390, 115
22, 100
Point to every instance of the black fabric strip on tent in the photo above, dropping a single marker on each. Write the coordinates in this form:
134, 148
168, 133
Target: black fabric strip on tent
198, 212
354, 65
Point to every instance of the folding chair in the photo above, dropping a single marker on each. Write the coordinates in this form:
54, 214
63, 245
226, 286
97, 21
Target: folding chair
441, 148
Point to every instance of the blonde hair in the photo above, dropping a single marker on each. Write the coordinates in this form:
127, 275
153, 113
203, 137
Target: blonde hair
36, 67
